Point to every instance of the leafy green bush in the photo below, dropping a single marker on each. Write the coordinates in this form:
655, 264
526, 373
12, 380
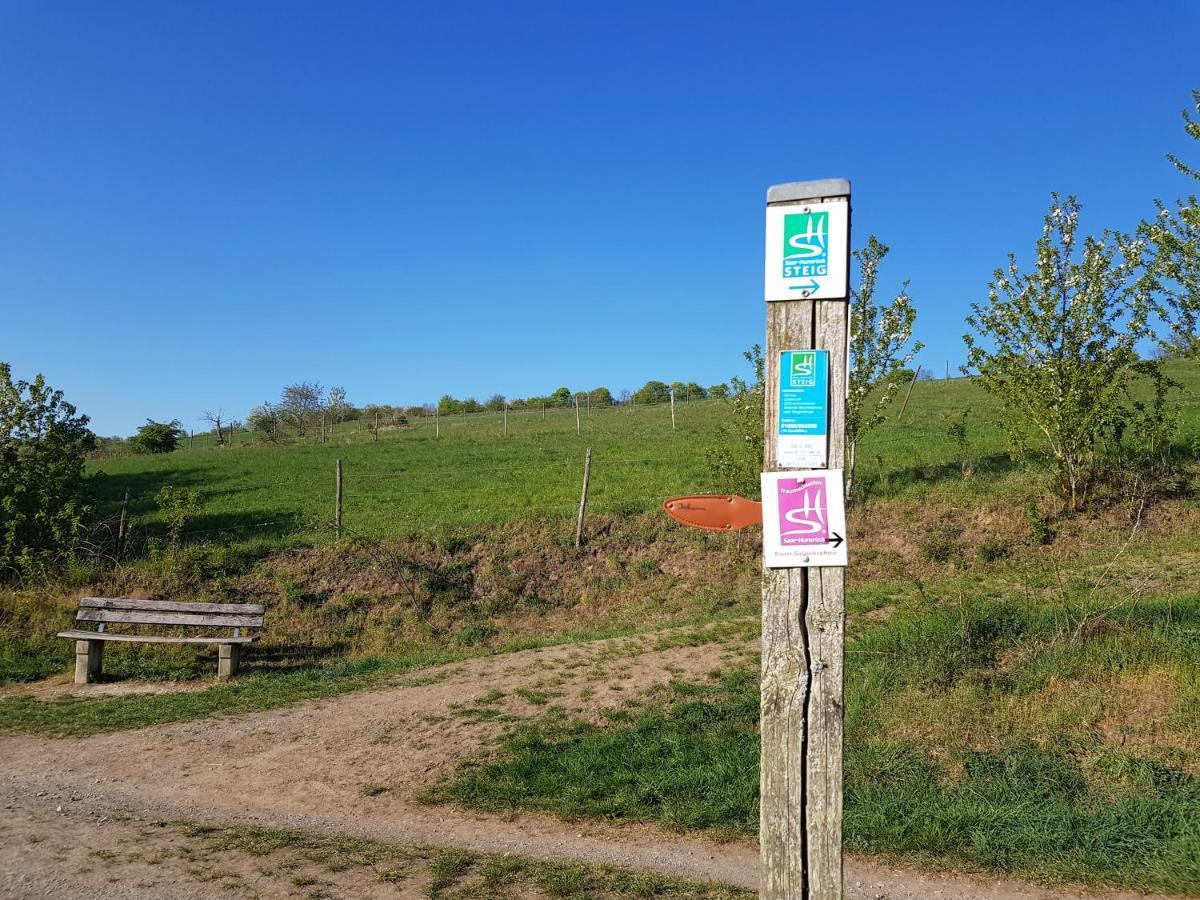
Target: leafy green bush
157, 437
43, 446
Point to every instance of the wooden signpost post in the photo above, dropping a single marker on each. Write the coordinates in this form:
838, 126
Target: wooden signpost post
800, 823
804, 545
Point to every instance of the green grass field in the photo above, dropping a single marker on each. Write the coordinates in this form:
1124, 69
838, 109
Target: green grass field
410, 483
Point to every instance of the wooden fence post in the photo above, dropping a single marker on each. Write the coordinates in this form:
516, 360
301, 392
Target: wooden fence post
904, 405
672, 393
587, 475
577, 428
337, 504
800, 825
377, 425
437, 421
121, 524
506, 420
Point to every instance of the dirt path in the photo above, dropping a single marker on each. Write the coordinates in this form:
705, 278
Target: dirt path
353, 765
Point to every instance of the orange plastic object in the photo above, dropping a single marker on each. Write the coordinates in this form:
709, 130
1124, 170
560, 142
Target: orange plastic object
723, 513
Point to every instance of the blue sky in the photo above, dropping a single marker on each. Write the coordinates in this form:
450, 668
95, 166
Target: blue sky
203, 201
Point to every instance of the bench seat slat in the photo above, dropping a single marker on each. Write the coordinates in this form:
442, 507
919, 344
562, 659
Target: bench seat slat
242, 609
137, 617
151, 639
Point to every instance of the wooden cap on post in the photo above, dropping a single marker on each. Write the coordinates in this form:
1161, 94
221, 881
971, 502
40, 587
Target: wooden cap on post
795, 191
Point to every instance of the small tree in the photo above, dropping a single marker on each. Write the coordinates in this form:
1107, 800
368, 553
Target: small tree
264, 420
561, 397
1174, 238
43, 444
735, 460
214, 419
337, 405
879, 350
157, 437
298, 403
176, 506
878, 342
496, 403
1057, 345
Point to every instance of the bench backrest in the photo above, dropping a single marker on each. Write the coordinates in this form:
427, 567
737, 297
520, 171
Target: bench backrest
105, 611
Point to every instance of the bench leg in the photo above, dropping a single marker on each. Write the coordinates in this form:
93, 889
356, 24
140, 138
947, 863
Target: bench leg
228, 658
89, 657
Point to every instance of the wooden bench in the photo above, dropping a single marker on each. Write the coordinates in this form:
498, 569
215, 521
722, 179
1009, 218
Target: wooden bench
104, 611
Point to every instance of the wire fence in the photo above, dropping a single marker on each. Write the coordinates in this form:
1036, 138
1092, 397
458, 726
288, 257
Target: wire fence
401, 500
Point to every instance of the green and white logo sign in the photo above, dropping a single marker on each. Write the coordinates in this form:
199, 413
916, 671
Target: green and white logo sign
808, 250
803, 409
802, 368
805, 244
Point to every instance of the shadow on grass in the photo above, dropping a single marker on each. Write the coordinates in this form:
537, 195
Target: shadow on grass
889, 482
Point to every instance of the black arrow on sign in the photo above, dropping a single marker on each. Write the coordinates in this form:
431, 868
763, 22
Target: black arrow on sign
836, 540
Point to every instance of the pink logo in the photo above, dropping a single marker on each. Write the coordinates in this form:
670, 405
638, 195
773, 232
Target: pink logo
803, 511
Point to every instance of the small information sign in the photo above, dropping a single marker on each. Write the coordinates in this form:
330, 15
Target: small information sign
808, 251
803, 409
804, 519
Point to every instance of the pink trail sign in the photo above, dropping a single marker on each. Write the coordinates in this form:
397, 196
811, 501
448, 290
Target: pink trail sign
804, 518
803, 512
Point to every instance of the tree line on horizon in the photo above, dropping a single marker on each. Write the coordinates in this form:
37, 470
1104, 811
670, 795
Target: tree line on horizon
307, 405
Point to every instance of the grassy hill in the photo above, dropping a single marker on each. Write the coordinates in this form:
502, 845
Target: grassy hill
409, 482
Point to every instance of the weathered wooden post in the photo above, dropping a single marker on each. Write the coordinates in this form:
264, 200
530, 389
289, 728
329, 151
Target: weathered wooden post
671, 393
800, 826
908, 396
587, 477
121, 524
337, 499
